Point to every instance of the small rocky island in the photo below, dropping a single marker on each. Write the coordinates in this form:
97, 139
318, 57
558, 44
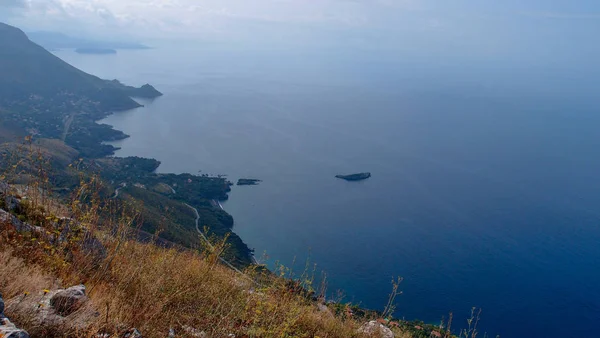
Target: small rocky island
354, 177
95, 51
248, 181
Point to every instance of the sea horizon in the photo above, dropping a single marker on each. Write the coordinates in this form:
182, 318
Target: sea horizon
467, 202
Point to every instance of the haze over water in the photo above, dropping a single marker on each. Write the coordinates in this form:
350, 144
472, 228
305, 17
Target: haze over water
484, 190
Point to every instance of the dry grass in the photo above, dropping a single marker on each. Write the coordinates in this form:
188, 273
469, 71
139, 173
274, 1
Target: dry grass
18, 278
155, 289
144, 286
152, 289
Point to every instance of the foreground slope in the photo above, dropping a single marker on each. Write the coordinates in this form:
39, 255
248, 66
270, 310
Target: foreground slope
124, 287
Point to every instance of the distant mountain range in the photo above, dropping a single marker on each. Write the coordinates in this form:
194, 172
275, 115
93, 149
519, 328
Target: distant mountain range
29, 69
100, 51
42, 95
54, 40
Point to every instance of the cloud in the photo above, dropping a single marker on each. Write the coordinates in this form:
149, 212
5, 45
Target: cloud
12, 4
194, 16
202, 17
11, 8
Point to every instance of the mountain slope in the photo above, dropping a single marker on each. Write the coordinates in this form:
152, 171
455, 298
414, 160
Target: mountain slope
29, 69
42, 95
58, 105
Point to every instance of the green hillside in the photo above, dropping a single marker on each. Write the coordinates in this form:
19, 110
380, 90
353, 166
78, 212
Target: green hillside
57, 106
28, 69
43, 96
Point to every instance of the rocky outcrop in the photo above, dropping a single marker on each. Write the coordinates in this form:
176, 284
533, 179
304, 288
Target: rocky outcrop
4, 187
132, 333
54, 232
376, 329
19, 226
248, 181
69, 300
191, 332
122, 332
324, 309
62, 310
12, 204
8, 329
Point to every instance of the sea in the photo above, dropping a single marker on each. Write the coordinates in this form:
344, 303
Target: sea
485, 188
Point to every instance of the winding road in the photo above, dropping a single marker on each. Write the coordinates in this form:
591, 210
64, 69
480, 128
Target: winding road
198, 226
117, 191
68, 126
197, 223
210, 244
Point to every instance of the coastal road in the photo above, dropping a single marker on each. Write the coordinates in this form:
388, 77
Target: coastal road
117, 191
211, 246
68, 126
197, 224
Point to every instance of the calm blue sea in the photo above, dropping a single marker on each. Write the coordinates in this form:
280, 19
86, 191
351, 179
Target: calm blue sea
485, 188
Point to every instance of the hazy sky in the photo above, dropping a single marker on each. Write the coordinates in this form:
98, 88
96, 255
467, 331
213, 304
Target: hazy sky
205, 17
189, 17
494, 27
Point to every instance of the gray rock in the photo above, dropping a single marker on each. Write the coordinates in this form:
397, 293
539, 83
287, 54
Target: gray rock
66, 226
12, 203
191, 332
4, 187
17, 334
132, 333
375, 329
7, 217
8, 329
94, 248
43, 316
324, 309
68, 301
1, 307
